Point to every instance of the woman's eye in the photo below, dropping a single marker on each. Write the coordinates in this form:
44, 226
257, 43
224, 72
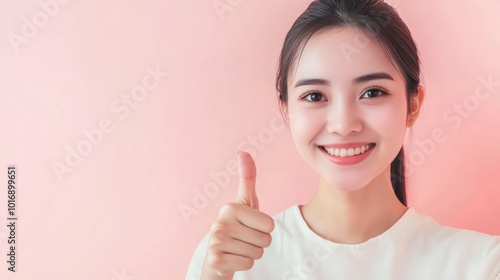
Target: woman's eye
373, 92
314, 97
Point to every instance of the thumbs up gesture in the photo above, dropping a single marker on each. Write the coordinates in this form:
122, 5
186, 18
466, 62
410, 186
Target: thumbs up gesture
241, 232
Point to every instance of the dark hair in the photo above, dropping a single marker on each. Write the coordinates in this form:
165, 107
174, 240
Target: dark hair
377, 19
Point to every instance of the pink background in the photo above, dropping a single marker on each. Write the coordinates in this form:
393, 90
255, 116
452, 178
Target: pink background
116, 215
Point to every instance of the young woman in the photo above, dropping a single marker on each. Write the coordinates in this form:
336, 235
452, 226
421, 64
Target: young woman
348, 84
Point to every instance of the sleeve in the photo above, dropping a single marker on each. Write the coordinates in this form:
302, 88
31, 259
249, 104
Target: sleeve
490, 262
196, 264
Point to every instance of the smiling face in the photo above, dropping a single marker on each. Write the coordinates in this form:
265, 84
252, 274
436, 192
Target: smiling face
342, 92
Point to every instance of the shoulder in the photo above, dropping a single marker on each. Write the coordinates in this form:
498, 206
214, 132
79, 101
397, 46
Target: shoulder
429, 228
490, 261
457, 245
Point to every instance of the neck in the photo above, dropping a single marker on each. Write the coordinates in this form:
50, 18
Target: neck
353, 217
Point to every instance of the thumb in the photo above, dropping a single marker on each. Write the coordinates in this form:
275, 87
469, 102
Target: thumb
247, 173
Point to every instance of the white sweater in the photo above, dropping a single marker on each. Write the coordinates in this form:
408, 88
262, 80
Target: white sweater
415, 247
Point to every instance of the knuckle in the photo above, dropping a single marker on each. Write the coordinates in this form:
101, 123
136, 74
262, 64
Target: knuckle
218, 230
214, 261
218, 239
228, 209
215, 246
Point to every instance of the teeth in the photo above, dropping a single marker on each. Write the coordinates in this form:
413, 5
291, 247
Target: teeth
348, 152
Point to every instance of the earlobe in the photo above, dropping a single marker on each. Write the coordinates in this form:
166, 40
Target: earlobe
415, 106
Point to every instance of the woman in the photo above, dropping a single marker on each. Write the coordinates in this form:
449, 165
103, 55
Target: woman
348, 83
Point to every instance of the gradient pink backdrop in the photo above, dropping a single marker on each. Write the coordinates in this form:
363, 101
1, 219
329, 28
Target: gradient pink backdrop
116, 214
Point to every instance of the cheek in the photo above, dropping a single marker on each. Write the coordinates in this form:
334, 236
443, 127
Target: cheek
390, 121
305, 124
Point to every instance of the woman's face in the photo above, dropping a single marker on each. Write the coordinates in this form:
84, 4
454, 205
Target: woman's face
360, 101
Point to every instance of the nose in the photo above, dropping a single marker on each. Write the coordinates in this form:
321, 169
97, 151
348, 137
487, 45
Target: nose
344, 119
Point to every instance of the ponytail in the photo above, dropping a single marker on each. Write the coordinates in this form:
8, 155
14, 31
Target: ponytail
398, 177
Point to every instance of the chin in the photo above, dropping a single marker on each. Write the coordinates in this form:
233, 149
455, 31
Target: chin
345, 184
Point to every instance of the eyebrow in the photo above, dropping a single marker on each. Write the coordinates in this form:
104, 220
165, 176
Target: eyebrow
358, 80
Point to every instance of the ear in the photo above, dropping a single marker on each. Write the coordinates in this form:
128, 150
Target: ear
415, 106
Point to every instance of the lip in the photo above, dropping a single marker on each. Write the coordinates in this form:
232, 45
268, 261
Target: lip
348, 160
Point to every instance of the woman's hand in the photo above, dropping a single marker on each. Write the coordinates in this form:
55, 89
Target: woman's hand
241, 232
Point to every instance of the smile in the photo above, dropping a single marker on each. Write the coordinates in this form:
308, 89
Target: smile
350, 152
